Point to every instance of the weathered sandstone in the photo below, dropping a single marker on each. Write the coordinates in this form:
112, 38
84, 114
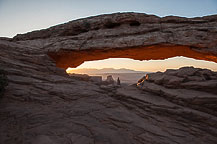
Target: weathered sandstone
185, 78
193, 87
43, 104
131, 35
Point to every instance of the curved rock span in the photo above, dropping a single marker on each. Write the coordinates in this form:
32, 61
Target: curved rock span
129, 35
42, 104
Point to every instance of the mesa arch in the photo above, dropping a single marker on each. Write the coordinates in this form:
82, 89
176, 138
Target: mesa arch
41, 102
65, 59
127, 35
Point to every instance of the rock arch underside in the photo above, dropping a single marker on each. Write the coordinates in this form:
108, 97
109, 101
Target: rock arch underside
42, 104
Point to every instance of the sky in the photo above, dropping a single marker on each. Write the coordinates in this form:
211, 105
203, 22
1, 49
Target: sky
21, 16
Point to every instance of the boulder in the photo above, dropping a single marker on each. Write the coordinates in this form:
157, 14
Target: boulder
96, 79
83, 77
110, 79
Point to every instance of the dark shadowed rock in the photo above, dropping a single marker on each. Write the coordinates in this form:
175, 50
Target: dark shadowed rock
110, 79
96, 79
83, 77
186, 77
3, 82
184, 87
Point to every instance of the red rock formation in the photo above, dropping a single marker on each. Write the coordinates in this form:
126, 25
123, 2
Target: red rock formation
42, 104
127, 35
65, 59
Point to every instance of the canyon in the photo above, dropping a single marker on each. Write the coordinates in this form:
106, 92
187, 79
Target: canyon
42, 104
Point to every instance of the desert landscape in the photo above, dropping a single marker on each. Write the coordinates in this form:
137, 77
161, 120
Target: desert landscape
42, 104
126, 76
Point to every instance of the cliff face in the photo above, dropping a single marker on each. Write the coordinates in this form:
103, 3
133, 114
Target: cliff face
43, 104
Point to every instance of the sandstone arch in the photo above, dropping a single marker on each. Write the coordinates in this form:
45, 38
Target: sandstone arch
42, 103
128, 35
65, 59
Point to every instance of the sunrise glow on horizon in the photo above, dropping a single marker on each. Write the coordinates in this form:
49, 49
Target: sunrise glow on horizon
147, 66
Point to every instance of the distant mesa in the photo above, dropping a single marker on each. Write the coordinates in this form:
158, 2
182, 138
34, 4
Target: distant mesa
85, 77
102, 71
95, 79
126, 76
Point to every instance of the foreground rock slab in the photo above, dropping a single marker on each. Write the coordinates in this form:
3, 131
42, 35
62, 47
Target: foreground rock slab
187, 86
186, 78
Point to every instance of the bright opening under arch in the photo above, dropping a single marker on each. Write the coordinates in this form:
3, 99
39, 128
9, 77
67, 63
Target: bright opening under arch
74, 58
130, 71
145, 65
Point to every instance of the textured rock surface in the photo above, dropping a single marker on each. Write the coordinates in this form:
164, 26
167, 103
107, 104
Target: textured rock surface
132, 35
110, 79
85, 77
3, 82
185, 78
193, 87
42, 104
